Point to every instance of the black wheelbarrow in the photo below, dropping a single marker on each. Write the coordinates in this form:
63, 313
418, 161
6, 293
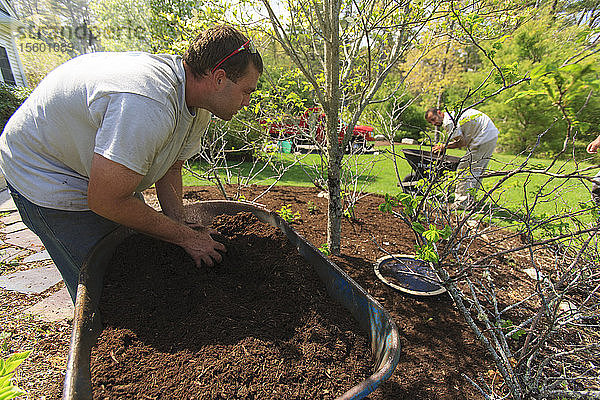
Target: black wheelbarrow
426, 165
373, 318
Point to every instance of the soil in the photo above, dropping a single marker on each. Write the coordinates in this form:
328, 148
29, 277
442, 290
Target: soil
438, 349
258, 325
437, 346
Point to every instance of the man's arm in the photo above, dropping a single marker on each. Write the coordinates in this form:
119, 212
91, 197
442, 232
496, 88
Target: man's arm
110, 194
452, 145
594, 146
169, 190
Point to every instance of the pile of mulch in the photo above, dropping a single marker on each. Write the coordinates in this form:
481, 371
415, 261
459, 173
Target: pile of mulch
258, 325
438, 348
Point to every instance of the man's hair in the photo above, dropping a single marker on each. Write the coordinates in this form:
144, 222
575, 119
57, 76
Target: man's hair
214, 44
432, 110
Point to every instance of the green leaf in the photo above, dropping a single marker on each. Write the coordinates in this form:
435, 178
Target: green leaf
432, 236
541, 70
446, 232
417, 227
433, 257
5, 381
595, 84
426, 253
12, 362
10, 392
571, 69
526, 93
404, 199
385, 208
518, 334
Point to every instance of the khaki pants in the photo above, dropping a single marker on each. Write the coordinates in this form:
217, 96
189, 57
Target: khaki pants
596, 189
470, 168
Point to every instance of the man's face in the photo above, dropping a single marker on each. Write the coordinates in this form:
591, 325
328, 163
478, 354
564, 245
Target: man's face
236, 95
435, 118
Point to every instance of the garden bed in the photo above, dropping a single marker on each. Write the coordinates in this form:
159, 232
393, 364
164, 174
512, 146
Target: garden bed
438, 349
258, 325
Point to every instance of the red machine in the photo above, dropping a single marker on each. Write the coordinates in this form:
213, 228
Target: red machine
309, 130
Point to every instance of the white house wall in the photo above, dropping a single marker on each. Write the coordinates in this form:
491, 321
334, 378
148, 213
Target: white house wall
7, 25
6, 41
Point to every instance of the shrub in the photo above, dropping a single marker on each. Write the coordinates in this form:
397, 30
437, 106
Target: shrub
11, 97
411, 122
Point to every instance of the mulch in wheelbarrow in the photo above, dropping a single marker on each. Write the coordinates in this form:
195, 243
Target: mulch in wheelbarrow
258, 325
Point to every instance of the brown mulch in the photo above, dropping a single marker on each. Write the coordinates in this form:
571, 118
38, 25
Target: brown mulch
258, 325
437, 346
438, 349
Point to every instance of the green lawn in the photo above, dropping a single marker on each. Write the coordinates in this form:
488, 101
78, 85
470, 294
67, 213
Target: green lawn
559, 195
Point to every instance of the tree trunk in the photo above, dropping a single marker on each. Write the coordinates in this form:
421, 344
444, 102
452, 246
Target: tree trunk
332, 109
334, 215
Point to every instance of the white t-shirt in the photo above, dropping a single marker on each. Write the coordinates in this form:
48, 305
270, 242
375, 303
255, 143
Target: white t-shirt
474, 126
128, 107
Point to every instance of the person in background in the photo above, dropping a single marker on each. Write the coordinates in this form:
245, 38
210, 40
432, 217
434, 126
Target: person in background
479, 135
593, 148
103, 127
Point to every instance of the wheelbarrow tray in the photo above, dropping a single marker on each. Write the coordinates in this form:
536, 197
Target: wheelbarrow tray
422, 160
372, 317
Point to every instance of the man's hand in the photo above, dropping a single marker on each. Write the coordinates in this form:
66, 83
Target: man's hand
110, 194
594, 146
438, 148
203, 249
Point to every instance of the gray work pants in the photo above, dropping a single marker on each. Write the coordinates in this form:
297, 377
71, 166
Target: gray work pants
470, 168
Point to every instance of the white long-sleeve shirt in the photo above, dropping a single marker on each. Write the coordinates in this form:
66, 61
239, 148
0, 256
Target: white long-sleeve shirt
473, 126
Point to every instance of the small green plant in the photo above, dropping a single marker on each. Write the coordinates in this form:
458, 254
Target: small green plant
349, 204
349, 212
5, 338
288, 215
312, 208
508, 326
426, 237
325, 249
11, 97
427, 251
406, 202
7, 371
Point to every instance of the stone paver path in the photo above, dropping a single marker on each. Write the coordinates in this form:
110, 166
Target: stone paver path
11, 218
41, 256
31, 281
54, 308
24, 239
22, 246
8, 254
16, 227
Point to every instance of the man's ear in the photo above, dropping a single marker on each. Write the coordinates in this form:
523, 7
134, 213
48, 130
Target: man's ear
219, 76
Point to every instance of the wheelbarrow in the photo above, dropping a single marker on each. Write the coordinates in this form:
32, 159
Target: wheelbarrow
372, 317
426, 165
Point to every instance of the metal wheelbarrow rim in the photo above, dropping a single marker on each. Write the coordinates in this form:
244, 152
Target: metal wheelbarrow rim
372, 317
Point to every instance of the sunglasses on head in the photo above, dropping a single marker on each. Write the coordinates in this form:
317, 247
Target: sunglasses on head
249, 46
